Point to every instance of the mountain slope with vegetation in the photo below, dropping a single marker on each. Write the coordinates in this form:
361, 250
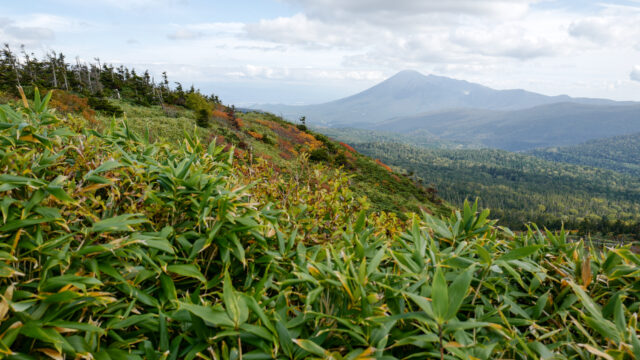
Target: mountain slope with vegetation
99, 91
619, 153
580, 197
115, 247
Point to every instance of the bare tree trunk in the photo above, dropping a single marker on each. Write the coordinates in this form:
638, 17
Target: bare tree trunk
89, 78
78, 70
15, 68
53, 69
158, 95
64, 75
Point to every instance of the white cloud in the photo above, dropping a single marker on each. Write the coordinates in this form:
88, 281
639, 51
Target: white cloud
381, 11
184, 34
29, 34
134, 4
302, 74
615, 26
635, 73
300, 30
504, 41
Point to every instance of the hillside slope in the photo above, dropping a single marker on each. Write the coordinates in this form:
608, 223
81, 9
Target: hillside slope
115, 247
619, 153
287, 148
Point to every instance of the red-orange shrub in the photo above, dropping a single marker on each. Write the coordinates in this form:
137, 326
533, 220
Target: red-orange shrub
386, 167
67, 103
348, 147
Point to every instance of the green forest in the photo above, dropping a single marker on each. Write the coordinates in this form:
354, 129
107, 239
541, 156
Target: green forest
521, 188
619, 153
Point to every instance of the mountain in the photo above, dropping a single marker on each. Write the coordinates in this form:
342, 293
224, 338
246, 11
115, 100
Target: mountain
410, 93
558, 124
618, 153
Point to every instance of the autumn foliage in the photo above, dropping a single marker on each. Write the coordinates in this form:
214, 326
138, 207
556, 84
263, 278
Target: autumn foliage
348, 147
67, 103
384, 165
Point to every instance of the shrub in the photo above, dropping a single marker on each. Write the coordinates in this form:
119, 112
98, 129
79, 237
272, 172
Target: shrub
196, 101
103, 105
340, 159
202, 118
267, 140
319, 155
68, 103
5, 97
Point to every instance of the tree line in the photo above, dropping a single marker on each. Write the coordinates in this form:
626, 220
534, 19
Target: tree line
95, 80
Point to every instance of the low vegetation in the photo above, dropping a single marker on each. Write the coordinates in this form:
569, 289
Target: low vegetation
117, 247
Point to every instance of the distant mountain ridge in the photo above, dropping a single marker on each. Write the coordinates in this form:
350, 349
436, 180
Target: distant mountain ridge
410, 92
557, 124
458, 110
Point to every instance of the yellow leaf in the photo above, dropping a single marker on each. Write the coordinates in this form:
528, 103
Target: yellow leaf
93, 187
64, 330
24, 97
51, 353
29, 138
366, 353
4, 304
453, 344
586, 273
597, 352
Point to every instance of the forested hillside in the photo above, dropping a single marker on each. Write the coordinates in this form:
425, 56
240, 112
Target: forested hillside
521, 188
115, 246
619, 153
98, 92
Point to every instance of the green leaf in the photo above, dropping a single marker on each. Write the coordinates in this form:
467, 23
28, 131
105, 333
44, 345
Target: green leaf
209, 315
440, 296
257, 309
605, 327
310, 347
120, 223
168, 287
78, 326
17, 224
105, 166
234, 304
635, 342
59, 193
188, 270
483, 254
458, 291
285, 339
422, 302
520, 253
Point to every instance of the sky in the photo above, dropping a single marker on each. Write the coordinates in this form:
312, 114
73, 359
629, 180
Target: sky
303, 51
